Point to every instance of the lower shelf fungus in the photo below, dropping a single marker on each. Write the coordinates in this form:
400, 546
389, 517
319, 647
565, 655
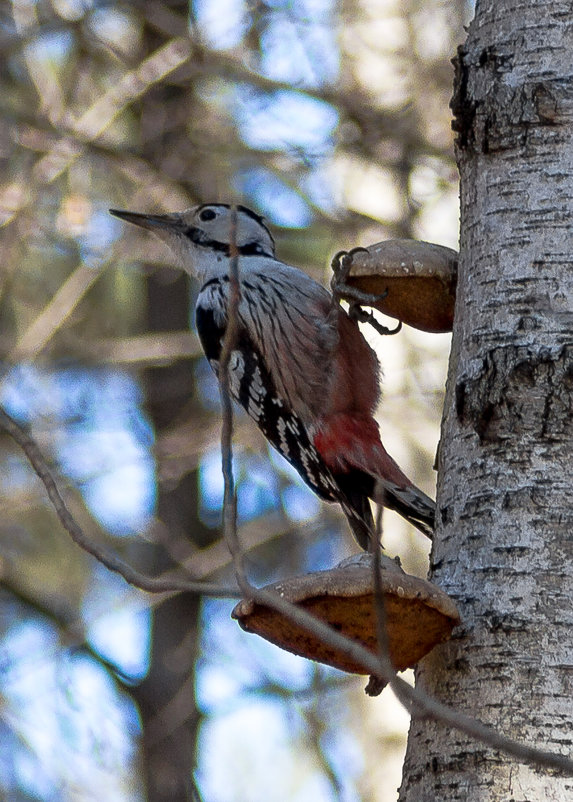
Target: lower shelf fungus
418, 614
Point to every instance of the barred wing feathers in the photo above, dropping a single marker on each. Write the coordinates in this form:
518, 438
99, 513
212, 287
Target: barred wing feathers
254, 387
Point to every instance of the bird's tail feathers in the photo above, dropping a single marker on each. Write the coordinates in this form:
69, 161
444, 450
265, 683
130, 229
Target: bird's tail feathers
410, 502
356, 507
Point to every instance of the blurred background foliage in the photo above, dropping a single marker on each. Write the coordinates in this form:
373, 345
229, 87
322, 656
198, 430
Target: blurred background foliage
331, 119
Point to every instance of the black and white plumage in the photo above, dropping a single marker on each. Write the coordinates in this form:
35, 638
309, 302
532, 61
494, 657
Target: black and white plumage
300, 367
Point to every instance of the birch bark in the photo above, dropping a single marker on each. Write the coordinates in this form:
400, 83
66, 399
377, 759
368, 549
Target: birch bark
504, 546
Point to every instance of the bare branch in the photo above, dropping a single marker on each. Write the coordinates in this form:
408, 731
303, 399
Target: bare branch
169, 582
419, 703
55, 313
157, 348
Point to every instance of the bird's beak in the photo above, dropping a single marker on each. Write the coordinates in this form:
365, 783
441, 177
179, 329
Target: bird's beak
152, 222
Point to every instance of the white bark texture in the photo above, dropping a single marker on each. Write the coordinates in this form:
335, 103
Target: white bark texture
504, 547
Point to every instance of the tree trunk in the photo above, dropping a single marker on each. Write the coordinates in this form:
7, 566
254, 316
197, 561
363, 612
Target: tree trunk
169, 715
504, 546
166, 698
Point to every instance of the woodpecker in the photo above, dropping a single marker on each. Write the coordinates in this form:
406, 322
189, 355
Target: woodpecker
300, 366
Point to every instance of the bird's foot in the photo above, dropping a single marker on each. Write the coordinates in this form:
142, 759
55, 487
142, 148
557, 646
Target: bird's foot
341, 290
359, 314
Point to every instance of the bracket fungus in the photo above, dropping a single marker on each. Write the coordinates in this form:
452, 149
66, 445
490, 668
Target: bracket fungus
415, 281
418, 614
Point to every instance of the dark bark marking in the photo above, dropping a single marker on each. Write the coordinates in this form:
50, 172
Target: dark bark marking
492, 114
463, 109
518, 394
545, 103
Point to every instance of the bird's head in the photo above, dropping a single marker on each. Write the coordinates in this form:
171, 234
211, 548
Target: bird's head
201, 237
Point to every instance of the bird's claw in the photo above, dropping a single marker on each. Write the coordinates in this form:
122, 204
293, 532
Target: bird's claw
341, 264
356, 312
341, 290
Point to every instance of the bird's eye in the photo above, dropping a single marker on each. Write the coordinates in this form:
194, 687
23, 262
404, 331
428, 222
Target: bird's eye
207, 214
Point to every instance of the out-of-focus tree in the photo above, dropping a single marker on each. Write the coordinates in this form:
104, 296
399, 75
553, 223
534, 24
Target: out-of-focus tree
331, 120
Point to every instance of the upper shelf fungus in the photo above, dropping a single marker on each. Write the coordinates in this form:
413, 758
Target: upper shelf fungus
415, 281
418, 614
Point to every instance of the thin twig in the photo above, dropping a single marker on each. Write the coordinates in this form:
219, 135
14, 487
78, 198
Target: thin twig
381, 620
418, 703
229, 342
168, 583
